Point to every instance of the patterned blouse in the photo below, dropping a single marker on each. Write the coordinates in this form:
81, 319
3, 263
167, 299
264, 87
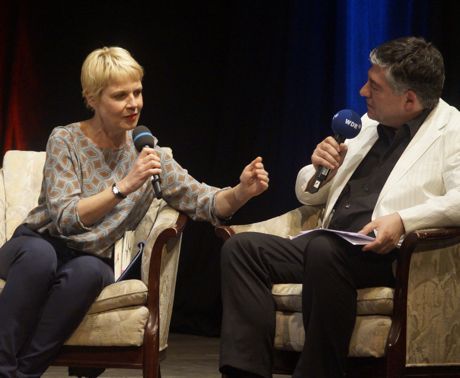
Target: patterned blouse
76, 168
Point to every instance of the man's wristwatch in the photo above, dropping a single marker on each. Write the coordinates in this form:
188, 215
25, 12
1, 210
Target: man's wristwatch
117, 192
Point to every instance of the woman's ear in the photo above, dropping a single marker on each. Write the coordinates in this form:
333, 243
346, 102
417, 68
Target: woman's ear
90, 101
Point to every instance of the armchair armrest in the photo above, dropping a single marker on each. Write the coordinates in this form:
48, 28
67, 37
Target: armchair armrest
435, 240
2, 209
169, 226
422, 241
290, 223
159, 270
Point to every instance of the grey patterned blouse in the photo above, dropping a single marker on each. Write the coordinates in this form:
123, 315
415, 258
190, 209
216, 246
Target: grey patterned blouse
76, 168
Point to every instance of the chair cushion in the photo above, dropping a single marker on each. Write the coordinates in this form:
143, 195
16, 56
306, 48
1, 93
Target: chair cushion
375, 301
121, 327
120, 294
371, 301
290, 335
370, 336
116, 318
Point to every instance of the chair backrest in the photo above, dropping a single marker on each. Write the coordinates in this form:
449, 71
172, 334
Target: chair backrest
20, 183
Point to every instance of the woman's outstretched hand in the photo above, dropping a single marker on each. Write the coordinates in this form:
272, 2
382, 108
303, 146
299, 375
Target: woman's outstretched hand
253, 180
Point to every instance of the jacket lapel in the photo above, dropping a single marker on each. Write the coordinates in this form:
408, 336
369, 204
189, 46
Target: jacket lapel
425, 137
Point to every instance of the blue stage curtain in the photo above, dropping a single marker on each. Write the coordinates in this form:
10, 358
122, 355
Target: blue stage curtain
327, 45
364, 25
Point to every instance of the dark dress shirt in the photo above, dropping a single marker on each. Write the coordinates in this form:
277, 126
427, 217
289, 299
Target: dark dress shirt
355, 205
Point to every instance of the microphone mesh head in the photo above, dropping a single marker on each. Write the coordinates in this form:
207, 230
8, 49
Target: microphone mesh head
143, 137
346, 123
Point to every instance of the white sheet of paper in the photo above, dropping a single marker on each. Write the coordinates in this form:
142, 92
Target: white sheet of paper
352, 237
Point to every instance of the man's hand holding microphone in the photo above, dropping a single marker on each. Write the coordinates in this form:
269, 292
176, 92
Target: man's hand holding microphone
328, 155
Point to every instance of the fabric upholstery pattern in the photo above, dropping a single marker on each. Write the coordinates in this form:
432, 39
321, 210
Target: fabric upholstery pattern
369, 336
2, 210
24, 170
375, 301
433, 323
98, 329
120, 294
288, 224
371, 301
368, 339
169, 266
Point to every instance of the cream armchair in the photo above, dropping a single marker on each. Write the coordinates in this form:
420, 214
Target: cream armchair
127, 326
411, 330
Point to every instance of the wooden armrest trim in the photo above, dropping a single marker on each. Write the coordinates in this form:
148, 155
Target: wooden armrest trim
438, 233
153, 299
431, 238
224, 232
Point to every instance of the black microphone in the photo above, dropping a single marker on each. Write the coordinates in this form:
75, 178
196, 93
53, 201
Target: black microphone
346, 124
142, 137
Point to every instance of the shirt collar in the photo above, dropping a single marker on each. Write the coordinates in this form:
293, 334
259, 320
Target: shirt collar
414, 124
410, 127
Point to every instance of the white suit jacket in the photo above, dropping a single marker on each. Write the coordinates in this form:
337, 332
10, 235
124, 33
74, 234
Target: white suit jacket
424, 185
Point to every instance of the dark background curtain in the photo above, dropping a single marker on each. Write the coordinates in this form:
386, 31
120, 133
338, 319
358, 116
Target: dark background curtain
225, 81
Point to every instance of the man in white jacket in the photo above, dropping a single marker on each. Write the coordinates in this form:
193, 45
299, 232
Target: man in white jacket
401, 173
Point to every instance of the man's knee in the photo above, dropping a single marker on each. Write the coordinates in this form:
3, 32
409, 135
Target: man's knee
237, 247
321, 253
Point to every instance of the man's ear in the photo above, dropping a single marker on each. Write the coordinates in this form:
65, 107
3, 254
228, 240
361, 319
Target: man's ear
412, 102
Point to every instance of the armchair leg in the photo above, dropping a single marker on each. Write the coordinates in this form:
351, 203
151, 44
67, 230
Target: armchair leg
85, 372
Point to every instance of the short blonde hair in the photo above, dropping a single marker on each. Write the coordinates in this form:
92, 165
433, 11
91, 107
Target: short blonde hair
105, 65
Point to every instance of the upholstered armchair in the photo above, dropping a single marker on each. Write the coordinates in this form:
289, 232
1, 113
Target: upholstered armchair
411, 330
127, 326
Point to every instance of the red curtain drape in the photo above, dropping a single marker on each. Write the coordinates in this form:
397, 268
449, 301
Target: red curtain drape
19, 94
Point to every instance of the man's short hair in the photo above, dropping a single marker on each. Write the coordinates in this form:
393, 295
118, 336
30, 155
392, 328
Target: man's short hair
412, 63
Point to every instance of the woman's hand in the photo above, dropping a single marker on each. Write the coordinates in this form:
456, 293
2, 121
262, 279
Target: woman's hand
253, 181
146, 165
94, 208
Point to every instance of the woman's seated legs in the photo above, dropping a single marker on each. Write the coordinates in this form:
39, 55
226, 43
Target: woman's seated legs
78, 283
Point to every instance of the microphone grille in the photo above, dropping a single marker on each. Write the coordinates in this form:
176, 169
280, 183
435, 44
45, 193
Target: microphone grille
346, 123
142, 137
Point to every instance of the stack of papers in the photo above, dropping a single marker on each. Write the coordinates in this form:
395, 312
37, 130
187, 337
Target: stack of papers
352, 237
